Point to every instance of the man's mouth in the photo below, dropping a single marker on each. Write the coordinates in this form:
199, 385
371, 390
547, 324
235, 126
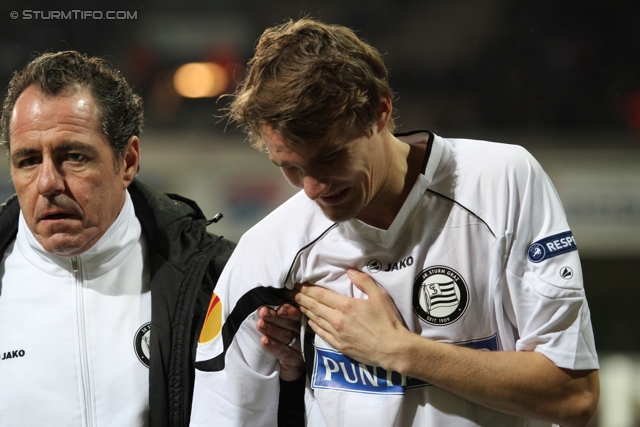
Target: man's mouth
56, 216
335, 198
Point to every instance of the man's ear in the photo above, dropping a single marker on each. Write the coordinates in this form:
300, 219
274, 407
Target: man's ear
384, 112
131, 160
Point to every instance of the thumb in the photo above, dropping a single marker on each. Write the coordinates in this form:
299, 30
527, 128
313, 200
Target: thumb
362, 281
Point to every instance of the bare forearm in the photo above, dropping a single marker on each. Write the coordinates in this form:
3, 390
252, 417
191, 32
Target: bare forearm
526, 384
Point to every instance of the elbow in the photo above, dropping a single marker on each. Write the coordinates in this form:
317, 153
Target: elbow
583, 411
583, 404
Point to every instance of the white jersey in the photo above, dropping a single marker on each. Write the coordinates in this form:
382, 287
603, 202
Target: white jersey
74, 331
479, 255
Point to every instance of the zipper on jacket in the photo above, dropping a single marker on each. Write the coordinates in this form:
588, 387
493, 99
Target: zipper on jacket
76, 265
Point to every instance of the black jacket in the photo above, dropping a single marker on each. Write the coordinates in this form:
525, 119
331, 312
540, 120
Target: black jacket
185, 263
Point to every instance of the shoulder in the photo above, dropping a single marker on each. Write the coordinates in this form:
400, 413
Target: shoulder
175, 226
466, 165
493, 180
277, 238
159, 208
486, 157
297, 220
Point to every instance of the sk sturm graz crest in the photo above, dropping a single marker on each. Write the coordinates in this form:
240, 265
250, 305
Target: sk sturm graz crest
141, 343
440, 295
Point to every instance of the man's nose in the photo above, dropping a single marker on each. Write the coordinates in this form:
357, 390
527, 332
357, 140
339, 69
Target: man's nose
314, 187
50, 180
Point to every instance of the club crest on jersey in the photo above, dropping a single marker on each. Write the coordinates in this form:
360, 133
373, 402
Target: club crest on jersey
440, 295
141, 343
551, 246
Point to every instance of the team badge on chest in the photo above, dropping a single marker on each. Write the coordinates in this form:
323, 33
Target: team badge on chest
141, 343
440, 295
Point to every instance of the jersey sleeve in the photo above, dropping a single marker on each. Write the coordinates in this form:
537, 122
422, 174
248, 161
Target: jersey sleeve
545, 294
236, 381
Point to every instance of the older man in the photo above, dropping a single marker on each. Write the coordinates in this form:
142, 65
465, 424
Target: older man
477, 316
104, 282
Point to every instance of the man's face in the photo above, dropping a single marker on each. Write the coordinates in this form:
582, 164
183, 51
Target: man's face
341, 177
64, 171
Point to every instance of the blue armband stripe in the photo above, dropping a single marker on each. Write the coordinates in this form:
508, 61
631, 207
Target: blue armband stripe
551, 246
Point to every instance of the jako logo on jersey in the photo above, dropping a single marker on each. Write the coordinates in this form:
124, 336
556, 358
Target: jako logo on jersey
141, 342
374, 266
400, 264
551, 246
566, 273
334, 370
12, 354
213, 322
440, 295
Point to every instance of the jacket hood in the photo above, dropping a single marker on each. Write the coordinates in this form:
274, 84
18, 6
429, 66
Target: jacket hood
175, 226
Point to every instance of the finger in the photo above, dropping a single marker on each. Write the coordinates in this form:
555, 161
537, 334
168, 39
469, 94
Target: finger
362, 281
275, 333
274, 318
290, 311
284, 352
318, 322
290, 358
374, 292
322, 333
317, 295
324, 316
315, 328
308, 304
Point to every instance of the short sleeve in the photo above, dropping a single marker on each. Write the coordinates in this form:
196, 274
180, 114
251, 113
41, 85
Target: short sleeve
546, 302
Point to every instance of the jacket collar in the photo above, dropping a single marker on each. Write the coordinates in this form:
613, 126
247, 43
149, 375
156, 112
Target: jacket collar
113, 248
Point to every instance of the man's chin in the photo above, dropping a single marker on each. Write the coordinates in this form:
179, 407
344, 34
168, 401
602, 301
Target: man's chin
336, 214
63, 245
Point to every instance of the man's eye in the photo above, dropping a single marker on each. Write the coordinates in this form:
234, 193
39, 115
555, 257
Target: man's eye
29, 161
76, 157
332, 156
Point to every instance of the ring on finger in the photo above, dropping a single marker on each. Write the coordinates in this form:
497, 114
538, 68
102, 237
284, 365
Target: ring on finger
292, 342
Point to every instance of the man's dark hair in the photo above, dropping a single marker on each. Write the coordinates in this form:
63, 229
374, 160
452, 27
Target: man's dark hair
65, 73
310, 81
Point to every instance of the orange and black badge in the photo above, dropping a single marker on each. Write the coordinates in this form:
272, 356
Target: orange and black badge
213, 322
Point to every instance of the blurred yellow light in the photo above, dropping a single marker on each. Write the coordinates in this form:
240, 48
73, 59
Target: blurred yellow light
200, 80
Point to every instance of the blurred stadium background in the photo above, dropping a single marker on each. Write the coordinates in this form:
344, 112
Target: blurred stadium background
561, 78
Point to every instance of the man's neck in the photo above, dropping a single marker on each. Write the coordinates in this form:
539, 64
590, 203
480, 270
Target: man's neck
405, 165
